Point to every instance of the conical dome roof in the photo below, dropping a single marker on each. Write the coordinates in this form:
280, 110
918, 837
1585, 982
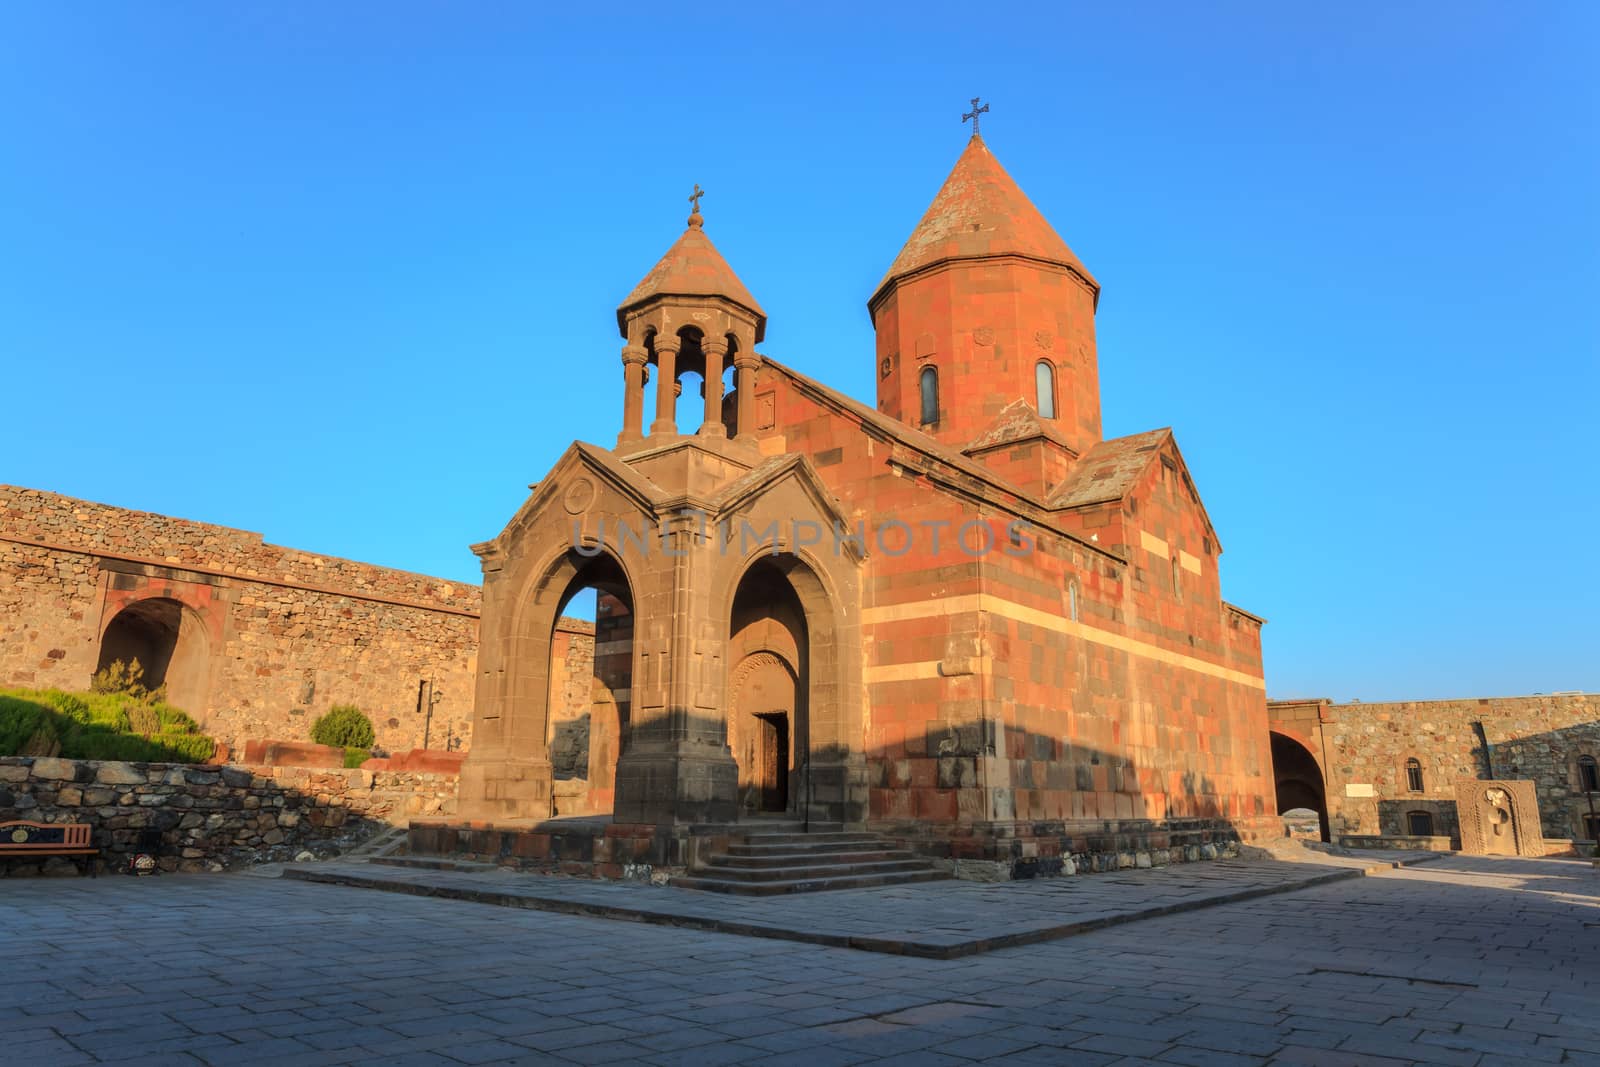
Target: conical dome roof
980, 212
692, 267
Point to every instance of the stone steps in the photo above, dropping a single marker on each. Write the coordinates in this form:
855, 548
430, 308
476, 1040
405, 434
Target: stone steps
769, 861
434, 863
876, 852
813, 870
820, 837
706, 881
384, 843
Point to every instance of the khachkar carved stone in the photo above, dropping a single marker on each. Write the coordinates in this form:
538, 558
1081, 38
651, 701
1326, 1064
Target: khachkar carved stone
1499, 818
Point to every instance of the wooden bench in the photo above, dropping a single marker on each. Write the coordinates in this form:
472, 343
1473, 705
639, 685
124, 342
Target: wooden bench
42, 839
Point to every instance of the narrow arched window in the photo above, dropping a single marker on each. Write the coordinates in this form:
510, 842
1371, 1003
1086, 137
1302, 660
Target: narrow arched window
1072, 601
1588, 775
1177, 580
1419, 823
1044, 387
1414, 775
928, 381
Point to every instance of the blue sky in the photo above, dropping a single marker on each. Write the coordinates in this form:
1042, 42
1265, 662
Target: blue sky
346, 274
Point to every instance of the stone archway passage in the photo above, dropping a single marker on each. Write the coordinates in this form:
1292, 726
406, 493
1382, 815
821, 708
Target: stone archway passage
768, 691
590, 693
1299, 779
170, 643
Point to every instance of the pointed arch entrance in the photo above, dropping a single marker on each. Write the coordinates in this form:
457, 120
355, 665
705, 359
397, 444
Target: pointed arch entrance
589, 696
591, 664
1299, 779
171, 645
509, 772
787, 716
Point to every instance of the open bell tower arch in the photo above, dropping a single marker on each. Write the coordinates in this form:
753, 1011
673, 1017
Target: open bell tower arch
690, 313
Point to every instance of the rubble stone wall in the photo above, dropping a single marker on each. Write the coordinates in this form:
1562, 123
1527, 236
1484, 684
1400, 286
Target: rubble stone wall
1363, 750
267, 638
217, 817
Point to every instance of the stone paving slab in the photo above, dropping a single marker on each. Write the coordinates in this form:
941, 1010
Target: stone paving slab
935, 920
1470, 961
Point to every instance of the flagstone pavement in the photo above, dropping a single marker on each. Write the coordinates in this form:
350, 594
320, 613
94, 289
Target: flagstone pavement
940, 920
1465, 960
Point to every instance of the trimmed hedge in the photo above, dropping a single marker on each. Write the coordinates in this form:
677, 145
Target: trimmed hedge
99, 726
345, 726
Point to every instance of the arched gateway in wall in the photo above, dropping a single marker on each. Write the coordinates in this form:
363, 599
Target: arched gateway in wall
1299, 779
171, 644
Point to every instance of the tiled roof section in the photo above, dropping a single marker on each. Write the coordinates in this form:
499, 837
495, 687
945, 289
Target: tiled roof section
1018, 421
1109, 469
981, 212
692, 267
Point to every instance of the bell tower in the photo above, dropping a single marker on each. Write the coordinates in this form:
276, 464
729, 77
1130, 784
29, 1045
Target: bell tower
984, 306
690, 313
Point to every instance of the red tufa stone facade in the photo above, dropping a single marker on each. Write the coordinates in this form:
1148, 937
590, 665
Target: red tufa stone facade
962, 617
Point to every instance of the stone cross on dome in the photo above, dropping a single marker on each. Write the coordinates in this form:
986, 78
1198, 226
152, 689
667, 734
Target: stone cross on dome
974, 113
694, 202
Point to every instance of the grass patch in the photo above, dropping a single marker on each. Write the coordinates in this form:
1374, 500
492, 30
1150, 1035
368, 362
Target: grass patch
99, 726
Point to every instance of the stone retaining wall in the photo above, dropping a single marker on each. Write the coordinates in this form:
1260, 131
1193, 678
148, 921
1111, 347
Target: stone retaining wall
1397, 841
217, 817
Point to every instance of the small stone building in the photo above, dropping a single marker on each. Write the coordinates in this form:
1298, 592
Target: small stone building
1393, 770
960, 615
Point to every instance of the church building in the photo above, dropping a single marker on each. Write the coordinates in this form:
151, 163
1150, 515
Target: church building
960, 618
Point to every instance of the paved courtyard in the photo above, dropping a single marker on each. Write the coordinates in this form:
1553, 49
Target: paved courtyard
941, 920
1460, 961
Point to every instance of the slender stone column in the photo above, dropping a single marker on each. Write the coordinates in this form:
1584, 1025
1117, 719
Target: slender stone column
712, 426
744, 393
633, 361
666, 420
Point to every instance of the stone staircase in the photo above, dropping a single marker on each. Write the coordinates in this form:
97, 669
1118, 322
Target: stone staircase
783, 858
387, 842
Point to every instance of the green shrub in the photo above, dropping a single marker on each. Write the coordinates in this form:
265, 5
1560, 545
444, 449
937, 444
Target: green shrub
141, 719
125, 679
344, 726
117, 677
174, 721
355, 757
102, 726
185, 748
73, 707
26, 726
